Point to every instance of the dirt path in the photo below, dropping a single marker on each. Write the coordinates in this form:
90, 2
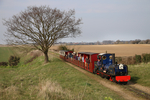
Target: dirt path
140, 87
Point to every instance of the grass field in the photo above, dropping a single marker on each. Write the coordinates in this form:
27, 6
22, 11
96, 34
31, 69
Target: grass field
52, 81
5, 53
119, 49
140, 74
57, 80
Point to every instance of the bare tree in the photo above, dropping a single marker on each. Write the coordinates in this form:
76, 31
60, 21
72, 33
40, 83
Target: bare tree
42, 27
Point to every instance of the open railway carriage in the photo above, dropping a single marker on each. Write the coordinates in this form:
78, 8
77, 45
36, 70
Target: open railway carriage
92, 58
64, 54
111, 70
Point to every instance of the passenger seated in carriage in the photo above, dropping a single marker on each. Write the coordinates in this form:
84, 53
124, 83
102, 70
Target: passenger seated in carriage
79, 57
87, 62
82, 58
66, 56
74, 56
69, 55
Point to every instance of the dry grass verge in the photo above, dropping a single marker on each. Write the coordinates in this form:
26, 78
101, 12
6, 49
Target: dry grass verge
10, 92
49, 90
34, 54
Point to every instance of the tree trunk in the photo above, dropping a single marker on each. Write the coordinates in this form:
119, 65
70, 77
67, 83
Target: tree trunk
46, 56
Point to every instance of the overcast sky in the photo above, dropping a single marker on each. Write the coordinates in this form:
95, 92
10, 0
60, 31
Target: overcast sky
102, 19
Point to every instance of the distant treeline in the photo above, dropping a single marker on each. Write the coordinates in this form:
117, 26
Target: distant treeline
137, 41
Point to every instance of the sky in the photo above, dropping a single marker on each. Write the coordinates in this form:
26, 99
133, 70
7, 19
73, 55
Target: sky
102, 19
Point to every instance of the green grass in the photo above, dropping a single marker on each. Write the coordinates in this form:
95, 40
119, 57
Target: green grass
55, 80
140, 73
5, 53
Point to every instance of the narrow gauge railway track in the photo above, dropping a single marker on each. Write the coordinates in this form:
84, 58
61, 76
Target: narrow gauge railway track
134, 90
137, 91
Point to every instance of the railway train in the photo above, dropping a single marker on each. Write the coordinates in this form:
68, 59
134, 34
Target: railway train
102, 64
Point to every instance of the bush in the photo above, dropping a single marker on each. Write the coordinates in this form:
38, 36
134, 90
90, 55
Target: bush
63, 47
118, 59
3, 63
138, 58
125, 60
13, 60
133, 60
145, 58
128, 60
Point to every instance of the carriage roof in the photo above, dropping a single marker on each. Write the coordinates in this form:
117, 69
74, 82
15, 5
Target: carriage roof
87, 53
106, 54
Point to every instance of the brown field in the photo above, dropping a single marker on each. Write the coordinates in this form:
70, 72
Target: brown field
120, 50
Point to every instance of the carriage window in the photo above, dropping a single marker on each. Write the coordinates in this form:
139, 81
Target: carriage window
110, 57
103, 57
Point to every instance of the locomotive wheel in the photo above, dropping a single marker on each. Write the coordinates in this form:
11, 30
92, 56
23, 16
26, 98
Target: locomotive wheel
102, 75
107, 77
113, 78
124, 83
95, 71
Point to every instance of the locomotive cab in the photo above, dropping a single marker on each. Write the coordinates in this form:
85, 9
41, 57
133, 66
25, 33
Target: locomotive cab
108, 64
109, 69
106, 61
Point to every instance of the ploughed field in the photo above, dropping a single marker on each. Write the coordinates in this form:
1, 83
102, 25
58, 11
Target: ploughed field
119, 49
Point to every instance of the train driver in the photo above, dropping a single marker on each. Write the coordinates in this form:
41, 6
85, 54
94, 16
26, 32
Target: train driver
99, 62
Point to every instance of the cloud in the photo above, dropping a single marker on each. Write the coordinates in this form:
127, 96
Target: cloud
104, 19
115, 6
